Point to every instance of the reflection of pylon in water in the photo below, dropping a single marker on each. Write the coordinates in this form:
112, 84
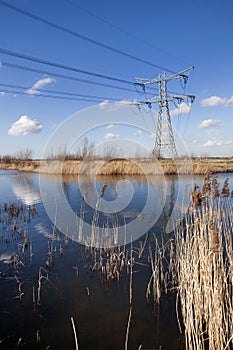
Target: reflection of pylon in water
167, 219
164, 137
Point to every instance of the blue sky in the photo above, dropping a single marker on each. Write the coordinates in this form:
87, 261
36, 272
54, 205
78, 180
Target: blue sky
170, 34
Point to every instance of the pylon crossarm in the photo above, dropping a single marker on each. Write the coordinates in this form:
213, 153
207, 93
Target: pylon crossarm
143, 82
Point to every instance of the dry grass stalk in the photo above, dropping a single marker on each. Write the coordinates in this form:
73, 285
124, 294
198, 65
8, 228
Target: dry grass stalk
160, 271
198, 264
41, 277
130, 296
75, 334
204, 272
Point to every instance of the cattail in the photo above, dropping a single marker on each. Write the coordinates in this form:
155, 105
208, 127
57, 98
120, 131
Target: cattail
196, 196
102, 191
225, 190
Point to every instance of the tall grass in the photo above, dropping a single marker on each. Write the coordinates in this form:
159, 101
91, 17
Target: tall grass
204, 264
137, 166
197, 263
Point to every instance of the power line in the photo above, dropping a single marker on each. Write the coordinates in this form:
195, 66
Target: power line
125, 32
63, 76
65, 67
25, 68
80, 36
52, 96
107, 22
58, 92
62, 66
96, 100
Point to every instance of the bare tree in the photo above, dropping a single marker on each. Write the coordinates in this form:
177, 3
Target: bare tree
142, 153
7, 158
25, 154
86, 149
110, 152
205, 155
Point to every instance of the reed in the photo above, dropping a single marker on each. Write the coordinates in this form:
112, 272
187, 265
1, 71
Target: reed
137, 166
100, 250
75, 334
197, 264
205, 275
131, 262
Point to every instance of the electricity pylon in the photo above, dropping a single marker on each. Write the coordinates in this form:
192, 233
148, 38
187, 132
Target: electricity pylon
164, 125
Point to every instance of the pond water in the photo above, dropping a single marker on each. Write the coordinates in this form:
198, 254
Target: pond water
48, 275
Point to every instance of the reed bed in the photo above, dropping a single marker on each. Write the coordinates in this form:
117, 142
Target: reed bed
205, 275
101, 253
107, 262
197, 264
15, 219
140, 166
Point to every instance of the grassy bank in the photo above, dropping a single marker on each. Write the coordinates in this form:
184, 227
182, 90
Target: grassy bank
197, 166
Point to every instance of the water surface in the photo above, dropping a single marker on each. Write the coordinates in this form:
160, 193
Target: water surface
70, 287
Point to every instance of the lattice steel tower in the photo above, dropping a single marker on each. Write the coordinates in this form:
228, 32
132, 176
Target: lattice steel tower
164, 137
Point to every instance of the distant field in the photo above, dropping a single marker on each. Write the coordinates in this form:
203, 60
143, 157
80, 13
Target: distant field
196, 166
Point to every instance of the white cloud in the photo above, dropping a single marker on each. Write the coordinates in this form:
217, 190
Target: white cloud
2, 93
38, 85
207, 123
212, 142
123, 102
24, 126
217, 101
183, 108
113, 106
110, 136
112, 126
103, 104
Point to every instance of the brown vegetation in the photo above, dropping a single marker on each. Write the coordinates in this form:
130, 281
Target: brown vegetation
197, 264
197, 166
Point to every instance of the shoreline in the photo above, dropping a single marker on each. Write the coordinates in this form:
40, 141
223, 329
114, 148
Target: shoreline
188, 166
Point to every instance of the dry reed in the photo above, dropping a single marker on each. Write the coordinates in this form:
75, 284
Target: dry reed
131, 261
205, 276
143, 166
197, 263
75, 334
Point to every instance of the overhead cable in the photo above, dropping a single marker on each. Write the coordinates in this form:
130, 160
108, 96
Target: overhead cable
62, 66
80, 36
51, 96
62, 76
26, 88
